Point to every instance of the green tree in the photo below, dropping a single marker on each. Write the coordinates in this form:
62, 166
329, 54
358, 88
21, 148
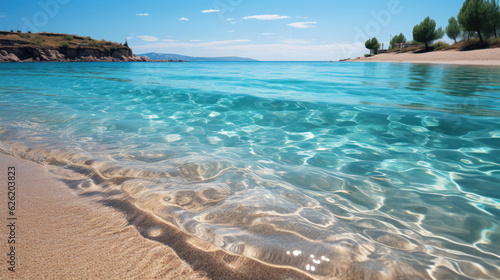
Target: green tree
453, 29
473, 16
64, 45
426, 32
494, 17
398, 39
373, 45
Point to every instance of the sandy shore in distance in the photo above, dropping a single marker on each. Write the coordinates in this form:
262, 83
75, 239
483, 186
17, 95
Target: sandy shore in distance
488, 57
63, 235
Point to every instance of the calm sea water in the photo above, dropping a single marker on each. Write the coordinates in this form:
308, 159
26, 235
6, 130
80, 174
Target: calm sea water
391, 169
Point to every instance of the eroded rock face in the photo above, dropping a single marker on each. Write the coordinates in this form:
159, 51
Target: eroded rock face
31, 54
9, 57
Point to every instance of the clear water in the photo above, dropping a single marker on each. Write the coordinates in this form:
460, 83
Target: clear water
390, 169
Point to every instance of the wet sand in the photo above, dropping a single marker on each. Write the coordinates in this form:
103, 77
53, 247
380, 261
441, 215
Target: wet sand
487, 57
63, 235
60, 235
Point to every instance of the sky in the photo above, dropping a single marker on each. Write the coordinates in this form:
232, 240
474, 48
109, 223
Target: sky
269, 30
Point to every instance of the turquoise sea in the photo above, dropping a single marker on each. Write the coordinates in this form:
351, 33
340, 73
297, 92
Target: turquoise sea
391, 170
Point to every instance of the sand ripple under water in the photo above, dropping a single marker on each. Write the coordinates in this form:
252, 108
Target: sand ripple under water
331, 171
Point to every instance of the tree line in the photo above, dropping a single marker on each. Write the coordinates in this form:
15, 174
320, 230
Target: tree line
476, 19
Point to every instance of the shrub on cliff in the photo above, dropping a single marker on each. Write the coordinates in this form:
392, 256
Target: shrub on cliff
64, 45
68, 37
103, 43
439, 46
93, 44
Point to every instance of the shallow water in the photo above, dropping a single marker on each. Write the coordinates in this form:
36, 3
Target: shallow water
329, 168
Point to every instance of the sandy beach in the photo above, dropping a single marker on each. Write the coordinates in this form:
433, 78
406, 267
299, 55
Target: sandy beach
62, 235
487, 57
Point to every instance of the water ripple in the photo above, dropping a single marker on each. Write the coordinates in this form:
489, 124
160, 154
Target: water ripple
334, 170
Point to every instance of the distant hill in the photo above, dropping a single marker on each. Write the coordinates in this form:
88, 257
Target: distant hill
168, 56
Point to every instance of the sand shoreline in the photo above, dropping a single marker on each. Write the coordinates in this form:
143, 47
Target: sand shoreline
63, 235
484, 57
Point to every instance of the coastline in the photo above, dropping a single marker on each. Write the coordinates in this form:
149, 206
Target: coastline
59, 47
61, 234
483, 57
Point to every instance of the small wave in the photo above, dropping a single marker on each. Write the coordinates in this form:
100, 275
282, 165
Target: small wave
264, 220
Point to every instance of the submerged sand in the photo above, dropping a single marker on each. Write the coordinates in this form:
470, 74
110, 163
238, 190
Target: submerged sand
487, 57
63, 235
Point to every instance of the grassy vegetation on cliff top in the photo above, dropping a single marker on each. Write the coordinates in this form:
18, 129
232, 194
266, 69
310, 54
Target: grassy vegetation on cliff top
52, 40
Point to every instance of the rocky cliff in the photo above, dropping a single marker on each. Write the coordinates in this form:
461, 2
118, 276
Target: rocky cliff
26, 47
31, 54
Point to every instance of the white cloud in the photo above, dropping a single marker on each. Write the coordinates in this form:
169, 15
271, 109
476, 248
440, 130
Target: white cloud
300, 17
2, 15
270, 52
210, 11
148, 38
195, 40
183, 18
229, 19
266, 17
231, 31
277, 52
295, 41
226, 42
142, 15
190, 45
129, 38
268, 34
169, 40
304, 24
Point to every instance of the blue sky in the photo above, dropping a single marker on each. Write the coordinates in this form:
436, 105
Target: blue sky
264, 30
